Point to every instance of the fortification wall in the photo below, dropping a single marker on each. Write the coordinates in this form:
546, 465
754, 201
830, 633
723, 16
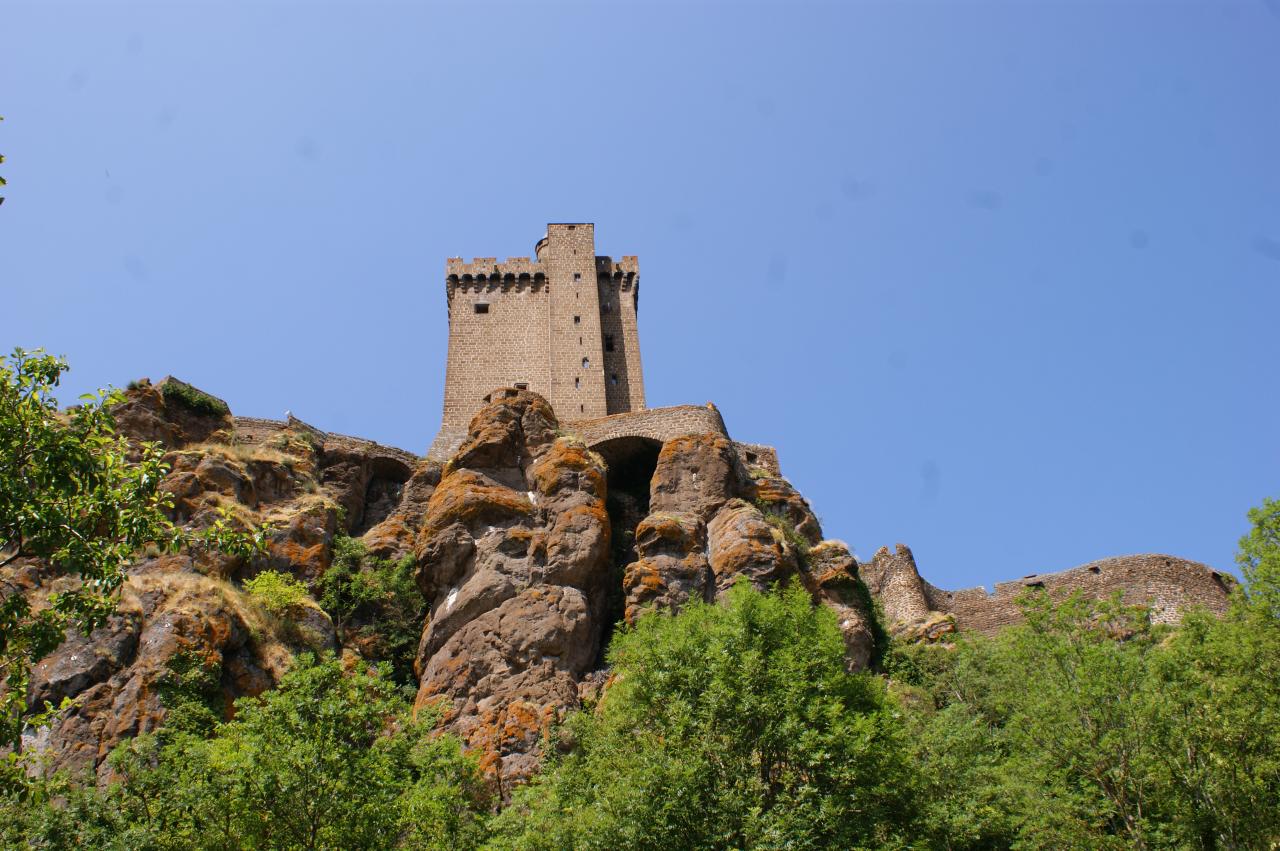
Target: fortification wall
1169, 585
757, 455
562, 325
619, 289
262, 431
660, 424
498, 337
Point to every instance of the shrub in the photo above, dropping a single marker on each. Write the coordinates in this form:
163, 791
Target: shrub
727, 726
374, 602
275, 591
196, 401
330, 759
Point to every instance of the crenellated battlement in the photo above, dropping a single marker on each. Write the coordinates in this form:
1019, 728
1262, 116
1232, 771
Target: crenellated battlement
561, 323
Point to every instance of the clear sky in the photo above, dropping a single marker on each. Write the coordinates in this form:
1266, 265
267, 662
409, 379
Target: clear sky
1000, 281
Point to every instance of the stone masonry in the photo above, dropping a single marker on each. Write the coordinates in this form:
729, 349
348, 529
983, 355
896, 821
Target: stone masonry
1169, 585
562, 325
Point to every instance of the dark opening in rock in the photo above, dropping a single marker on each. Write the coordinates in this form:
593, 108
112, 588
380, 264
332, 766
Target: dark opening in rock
381, 496
632, 461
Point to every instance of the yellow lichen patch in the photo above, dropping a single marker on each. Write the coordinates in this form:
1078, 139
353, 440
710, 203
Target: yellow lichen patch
467, 497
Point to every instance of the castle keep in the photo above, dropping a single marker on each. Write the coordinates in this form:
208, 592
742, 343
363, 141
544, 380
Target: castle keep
562, 324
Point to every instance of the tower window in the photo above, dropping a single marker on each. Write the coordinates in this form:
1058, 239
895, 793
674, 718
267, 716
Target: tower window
577, 382
577, 320
608, 342
481, 307
613, 379
577, 276
522, 385
604, 308
586, 364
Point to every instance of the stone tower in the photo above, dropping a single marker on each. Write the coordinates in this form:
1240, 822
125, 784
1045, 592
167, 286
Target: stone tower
562, 324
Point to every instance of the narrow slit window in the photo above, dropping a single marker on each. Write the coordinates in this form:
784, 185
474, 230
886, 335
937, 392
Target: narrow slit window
613, 379
586, 363
481, 307
608, 342
577, 383
604, 308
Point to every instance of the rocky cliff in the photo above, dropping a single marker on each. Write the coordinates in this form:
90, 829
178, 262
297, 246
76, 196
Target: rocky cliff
528, 548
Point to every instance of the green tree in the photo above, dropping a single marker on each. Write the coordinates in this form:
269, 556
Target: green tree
75, 500
727, 726
330, 759
1088, 727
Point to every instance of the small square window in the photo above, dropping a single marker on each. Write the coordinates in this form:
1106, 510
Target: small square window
577, 320
608, 342
481, 307
522, 385
577, 276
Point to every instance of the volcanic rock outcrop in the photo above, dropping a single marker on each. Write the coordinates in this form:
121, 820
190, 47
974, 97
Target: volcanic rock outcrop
528, 547
514, 557
187, 614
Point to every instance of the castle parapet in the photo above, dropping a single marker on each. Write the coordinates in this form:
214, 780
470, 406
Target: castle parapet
624, 271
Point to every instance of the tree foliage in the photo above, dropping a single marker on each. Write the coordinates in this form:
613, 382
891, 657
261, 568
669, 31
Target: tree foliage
330, 759
1090, 727
77, 501
374, 602
729, 726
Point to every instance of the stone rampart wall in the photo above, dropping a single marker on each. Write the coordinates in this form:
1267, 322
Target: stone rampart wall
758, 455
258, 430
1169, 585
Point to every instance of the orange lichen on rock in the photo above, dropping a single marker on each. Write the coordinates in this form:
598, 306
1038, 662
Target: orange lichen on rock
470, 498
568, 464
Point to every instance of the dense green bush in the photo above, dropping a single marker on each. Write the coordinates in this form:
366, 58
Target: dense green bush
375, 604
729, 726
1090, 727
329, 759
275, 591
196, 401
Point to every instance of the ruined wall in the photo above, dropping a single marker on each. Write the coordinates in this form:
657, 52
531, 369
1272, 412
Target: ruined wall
757, 456
255, 430
1169, 585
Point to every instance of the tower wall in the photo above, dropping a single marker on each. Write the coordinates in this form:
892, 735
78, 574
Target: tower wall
577, 386
619, 294
544, 323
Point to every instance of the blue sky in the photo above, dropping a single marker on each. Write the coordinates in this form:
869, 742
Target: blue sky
1000, 281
